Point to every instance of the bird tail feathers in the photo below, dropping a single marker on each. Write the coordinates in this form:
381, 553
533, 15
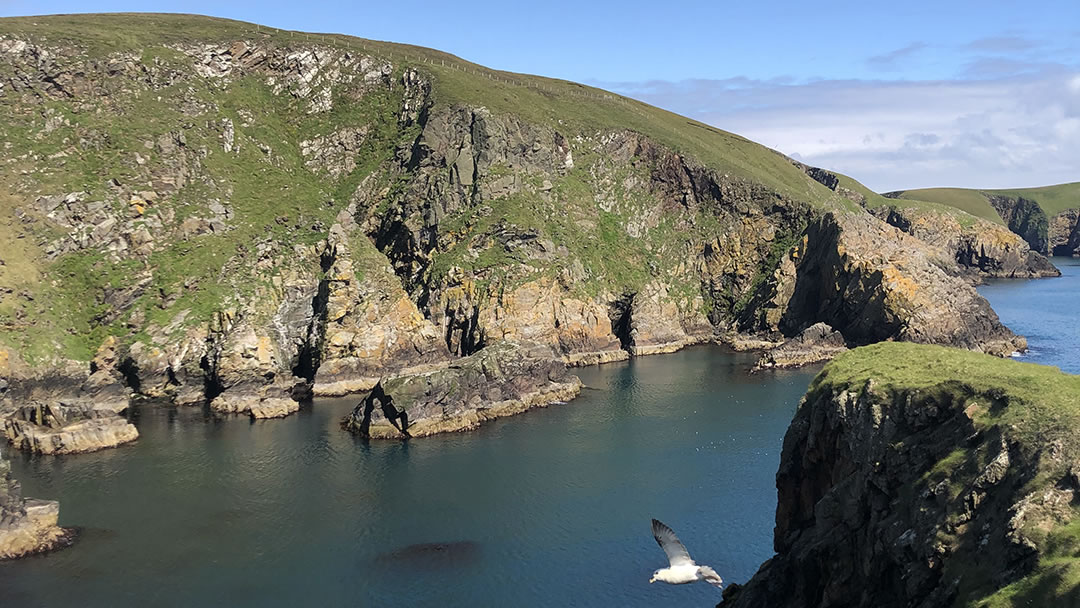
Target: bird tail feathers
711, 576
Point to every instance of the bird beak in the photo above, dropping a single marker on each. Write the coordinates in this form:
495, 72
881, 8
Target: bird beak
652, 580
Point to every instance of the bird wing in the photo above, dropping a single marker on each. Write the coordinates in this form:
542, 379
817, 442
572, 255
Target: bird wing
676, 553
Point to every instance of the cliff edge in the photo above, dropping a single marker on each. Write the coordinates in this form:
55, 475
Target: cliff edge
926, 476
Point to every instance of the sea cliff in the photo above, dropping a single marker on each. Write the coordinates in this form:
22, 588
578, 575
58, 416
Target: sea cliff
204, 212
926, 476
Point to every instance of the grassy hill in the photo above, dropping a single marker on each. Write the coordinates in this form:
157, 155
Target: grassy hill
1029, 407
573, 106
1052, 199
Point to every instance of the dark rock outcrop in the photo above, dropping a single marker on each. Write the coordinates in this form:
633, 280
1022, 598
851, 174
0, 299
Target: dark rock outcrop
816, 343
27, 525
832, 181
1026, 218
503, 379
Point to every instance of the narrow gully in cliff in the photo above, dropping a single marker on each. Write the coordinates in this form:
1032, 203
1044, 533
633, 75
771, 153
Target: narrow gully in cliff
620, 312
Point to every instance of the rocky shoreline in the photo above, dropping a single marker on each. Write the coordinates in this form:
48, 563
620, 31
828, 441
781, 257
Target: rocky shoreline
401, 227
428, 229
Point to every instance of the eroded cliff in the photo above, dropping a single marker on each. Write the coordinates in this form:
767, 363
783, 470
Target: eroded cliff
926, 476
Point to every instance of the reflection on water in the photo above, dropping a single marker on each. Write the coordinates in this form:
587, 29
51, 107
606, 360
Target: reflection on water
298, 512
1044, 311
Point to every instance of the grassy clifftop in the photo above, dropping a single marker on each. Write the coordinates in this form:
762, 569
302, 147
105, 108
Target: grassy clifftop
1023, 493
1051, 199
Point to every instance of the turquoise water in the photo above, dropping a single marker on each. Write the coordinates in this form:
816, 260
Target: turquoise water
1045, 311
549, 508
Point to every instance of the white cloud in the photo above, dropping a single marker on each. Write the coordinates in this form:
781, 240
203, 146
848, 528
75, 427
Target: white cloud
1002, 132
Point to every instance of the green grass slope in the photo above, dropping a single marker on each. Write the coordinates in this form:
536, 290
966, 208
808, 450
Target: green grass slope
968, 201
1051, 199
574, 107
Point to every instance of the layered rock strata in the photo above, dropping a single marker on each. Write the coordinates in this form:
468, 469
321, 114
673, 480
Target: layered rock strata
73, 409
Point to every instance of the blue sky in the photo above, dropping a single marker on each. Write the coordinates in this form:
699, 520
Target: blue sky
919, 93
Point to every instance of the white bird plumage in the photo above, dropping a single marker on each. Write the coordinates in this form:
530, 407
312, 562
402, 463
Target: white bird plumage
681, 568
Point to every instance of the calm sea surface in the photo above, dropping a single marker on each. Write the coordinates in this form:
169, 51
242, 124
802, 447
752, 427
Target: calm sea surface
1043, 310
549, 508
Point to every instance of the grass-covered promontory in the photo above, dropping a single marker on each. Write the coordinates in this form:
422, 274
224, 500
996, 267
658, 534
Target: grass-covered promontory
1016, 474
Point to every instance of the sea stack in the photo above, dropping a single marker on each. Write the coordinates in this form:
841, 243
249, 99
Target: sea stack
27, 525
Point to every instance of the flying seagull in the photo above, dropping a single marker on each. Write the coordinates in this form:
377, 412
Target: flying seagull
682, 569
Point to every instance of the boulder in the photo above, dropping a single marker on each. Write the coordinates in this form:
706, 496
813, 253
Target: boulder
816, 343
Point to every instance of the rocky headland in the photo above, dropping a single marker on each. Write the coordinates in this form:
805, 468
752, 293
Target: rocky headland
926, 476
1046, 218
974, 245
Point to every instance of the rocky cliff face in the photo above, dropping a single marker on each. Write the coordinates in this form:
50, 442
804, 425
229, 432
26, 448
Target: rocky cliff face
871, 282
923, 476
1065, 233
1025, 218
250, 218
27, 526
980, 247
